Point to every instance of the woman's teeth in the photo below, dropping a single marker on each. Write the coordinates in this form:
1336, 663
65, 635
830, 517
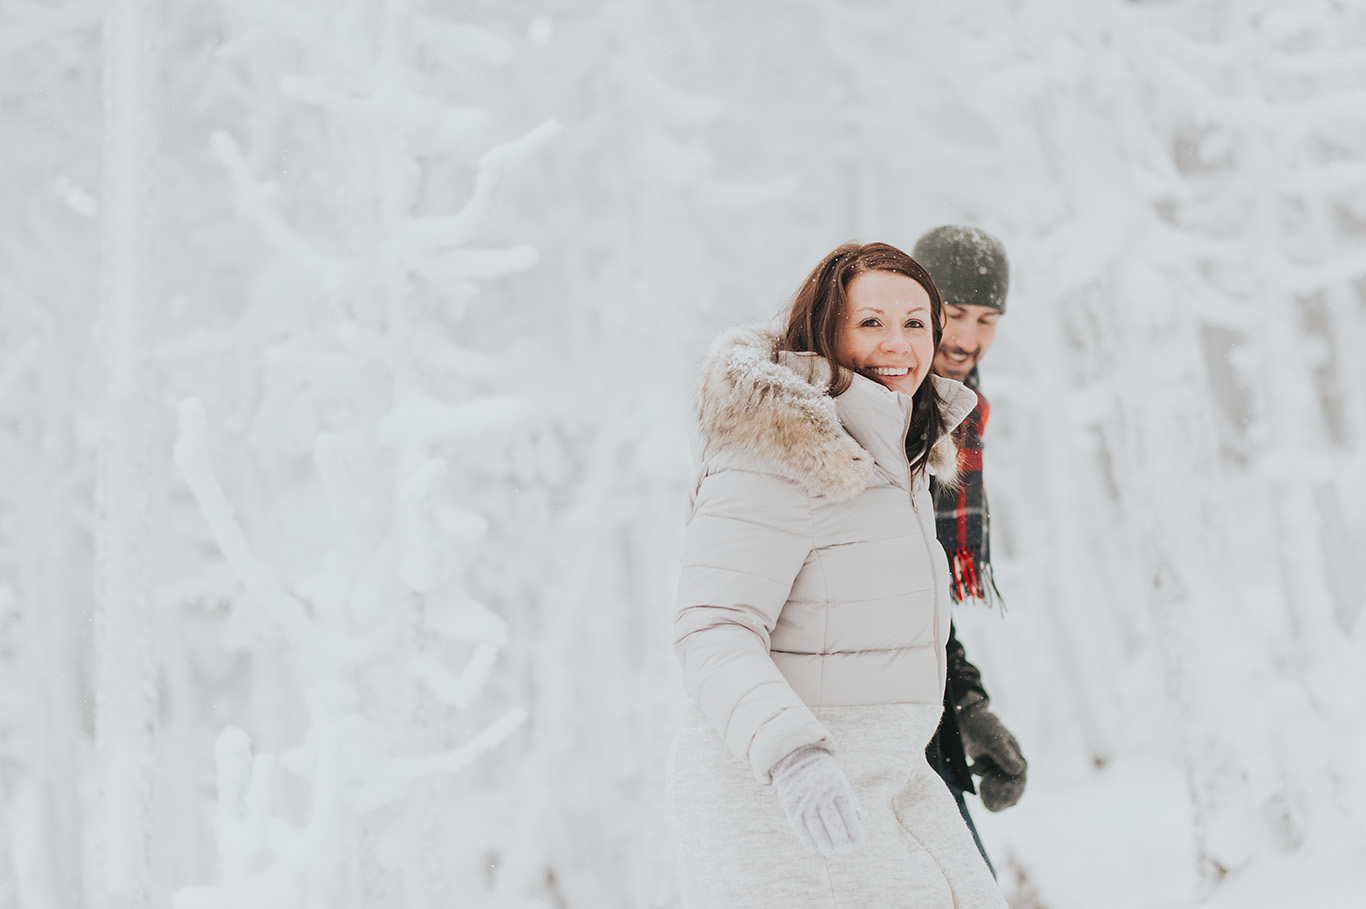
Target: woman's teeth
891, 370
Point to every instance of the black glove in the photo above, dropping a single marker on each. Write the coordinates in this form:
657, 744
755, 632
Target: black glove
995, 754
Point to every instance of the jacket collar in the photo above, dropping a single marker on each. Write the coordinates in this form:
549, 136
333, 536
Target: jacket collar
773, 406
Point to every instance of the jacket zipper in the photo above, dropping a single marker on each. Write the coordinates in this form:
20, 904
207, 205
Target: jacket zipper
940, 658
906, 461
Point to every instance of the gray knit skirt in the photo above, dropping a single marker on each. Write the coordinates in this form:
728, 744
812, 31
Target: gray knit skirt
736, 849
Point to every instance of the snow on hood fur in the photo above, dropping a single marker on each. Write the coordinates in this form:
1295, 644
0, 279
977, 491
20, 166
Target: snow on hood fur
749, 401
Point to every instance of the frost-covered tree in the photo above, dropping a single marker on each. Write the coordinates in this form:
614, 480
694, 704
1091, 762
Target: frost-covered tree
330, 469
590, 527
125, 675
50, 72
1272, 169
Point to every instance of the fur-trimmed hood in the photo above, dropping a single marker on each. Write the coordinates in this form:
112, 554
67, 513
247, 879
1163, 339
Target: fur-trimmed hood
773, 406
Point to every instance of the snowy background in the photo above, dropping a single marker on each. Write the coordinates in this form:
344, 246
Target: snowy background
346, 355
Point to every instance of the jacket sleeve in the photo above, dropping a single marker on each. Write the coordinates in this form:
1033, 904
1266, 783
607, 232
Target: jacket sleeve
748, 537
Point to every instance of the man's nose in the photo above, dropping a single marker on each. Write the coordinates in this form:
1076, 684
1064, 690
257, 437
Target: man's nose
962, 336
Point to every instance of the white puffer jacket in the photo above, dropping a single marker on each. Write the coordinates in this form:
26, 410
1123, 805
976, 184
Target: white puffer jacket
811, 575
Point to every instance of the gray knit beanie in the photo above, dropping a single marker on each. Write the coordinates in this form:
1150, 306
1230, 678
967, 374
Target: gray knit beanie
968, 265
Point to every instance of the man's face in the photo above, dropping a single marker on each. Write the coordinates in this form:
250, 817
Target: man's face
968, 332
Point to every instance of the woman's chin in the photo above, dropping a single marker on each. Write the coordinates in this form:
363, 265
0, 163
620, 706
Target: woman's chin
899, 384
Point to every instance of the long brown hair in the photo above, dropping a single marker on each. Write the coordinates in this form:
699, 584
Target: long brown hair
815, 321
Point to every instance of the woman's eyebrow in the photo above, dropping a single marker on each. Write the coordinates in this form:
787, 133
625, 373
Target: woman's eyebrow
867, 308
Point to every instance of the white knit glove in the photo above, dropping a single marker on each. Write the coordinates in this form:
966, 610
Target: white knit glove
819, 802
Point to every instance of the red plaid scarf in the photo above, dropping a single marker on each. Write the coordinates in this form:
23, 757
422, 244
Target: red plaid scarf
961, 515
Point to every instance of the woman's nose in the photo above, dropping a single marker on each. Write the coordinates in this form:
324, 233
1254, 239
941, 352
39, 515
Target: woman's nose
896, 342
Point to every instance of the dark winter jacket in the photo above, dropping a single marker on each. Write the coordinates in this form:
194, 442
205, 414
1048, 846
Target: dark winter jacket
945, 752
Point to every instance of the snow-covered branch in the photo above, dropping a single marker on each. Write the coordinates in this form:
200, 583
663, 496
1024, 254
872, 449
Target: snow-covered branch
191, 455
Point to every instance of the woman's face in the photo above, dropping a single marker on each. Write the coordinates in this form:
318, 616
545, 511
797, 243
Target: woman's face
887, 331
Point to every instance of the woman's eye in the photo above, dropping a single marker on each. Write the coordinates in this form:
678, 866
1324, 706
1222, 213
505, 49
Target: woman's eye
868, 323
915, 323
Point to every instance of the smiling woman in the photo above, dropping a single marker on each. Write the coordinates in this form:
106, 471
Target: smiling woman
887, 330
821, 320
813, 607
